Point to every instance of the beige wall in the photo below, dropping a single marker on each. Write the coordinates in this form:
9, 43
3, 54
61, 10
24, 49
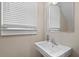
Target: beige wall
70, 39
23, 45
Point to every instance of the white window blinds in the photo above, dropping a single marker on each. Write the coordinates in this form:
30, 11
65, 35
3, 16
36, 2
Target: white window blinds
20, 16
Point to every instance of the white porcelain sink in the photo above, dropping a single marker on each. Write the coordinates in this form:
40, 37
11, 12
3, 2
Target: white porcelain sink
48, 49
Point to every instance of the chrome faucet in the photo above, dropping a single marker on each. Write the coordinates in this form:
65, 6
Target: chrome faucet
51, 40
47, 37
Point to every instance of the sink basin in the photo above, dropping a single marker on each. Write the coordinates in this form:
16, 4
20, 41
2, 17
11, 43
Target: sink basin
48, 49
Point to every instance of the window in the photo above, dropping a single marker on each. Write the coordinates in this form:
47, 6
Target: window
18, 18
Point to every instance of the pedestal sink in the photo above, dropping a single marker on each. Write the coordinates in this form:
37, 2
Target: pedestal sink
48, 49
